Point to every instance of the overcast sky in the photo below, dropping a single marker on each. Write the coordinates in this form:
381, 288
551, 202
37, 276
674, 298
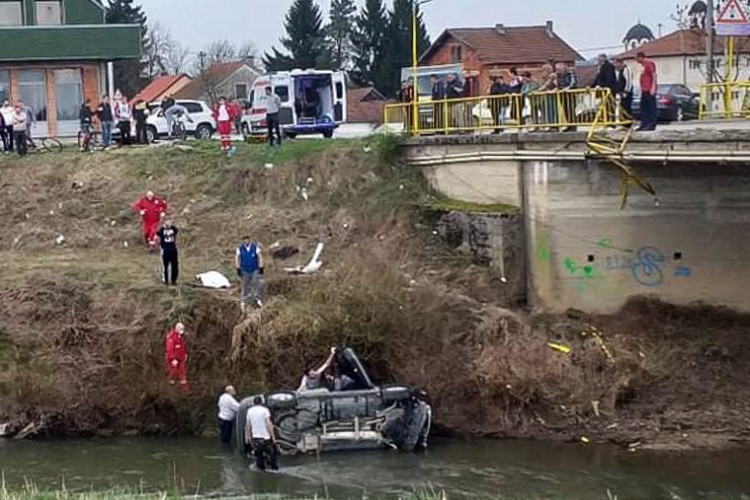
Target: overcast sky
588, 25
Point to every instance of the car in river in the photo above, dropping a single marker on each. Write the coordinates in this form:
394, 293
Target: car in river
354, 415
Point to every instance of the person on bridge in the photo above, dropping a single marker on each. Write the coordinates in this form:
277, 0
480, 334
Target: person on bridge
259, 434
151, 209
176, 356
606, 78
624, 87
649, 109
438, 96
228, 408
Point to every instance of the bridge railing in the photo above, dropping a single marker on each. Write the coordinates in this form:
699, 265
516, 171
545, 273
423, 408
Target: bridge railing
558, 110
725, 100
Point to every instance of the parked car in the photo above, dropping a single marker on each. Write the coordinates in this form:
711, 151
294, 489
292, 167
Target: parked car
354, 414
203, 125
675, 103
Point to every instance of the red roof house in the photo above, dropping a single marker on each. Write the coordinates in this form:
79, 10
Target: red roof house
365, 105
162, 87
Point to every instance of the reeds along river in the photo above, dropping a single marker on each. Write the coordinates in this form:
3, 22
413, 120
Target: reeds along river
463, 469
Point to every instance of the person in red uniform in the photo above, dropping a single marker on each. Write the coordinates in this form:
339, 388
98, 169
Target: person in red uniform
175, 356
151, 209
224, 119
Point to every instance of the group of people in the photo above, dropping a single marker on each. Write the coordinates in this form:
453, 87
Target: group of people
524, 98
111, 112
16, 121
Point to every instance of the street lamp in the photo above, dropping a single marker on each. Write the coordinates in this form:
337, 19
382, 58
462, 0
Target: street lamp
415, 62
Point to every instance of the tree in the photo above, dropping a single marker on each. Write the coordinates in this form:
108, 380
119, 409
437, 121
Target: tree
158, 49
220, 51
367, 40
305, 41
398, 45
177, 60
339, 32
129, 73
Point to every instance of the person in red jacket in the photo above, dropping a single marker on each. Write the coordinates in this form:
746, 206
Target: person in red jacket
151, 209
223, 115
175, 356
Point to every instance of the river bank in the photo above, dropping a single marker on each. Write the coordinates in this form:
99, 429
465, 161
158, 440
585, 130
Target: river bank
83, 322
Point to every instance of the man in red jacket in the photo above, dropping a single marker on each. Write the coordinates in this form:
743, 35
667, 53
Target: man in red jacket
151, 209
649, 108
175, 356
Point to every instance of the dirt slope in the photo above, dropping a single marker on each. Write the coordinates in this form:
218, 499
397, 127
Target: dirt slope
83, 323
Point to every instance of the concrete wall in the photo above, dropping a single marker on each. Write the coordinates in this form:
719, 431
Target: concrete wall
586, 253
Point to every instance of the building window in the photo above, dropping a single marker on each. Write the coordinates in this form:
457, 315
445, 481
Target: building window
48, 13
240, 91
456, 53
11, 13
69, 94
4, 86
32, 90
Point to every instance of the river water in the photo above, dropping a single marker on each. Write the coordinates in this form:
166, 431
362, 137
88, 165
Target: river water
464, 469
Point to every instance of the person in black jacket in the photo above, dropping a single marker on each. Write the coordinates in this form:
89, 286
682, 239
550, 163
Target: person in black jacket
499, 104
107, 120
86, 120
606, 78
438, 96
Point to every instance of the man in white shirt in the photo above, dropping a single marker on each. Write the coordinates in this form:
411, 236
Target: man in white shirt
273, 108
228, 407
259, 433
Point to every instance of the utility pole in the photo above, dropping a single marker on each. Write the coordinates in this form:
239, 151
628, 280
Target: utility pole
711, 34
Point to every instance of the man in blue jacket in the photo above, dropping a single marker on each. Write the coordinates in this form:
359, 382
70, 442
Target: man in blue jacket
249, 263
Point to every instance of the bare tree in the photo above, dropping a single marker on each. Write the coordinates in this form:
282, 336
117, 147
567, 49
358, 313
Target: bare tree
220, 51
247, 50
158, 44
177, 60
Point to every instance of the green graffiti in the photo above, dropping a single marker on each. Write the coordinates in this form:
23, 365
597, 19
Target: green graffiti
585, 272
605, 243
543, 253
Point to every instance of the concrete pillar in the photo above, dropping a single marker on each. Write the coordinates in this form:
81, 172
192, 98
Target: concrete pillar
51, 102
111, 78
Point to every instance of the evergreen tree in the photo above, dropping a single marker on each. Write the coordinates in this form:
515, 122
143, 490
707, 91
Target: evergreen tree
339, 32
398, 44
367, 40
305, 40
129, 73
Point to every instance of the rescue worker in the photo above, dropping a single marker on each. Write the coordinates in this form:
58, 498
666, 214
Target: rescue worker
313, 378
259, 434
224, 119
176, 356
167, 235
151, 209
249, 264
228, 408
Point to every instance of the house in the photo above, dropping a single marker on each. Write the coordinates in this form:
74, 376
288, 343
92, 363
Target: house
231, 80
680, 57
54, 54
485, 52
365, 108
162, 87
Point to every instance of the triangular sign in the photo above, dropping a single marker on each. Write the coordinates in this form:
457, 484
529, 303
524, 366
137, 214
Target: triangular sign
732, 13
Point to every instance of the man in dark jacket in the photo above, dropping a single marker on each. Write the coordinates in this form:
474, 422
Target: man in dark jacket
499, 104
107, 120
438, 108
607, 79
141, 113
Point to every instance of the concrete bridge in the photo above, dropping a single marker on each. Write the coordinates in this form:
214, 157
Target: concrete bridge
569, 243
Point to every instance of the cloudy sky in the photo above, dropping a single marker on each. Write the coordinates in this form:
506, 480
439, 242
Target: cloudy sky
588, 25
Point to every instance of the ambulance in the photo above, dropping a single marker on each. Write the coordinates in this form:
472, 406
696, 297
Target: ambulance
312, 102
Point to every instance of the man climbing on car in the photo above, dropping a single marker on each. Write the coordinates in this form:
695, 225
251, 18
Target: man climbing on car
313, 378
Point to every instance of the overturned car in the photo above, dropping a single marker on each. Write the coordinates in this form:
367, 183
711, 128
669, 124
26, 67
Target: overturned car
356, 415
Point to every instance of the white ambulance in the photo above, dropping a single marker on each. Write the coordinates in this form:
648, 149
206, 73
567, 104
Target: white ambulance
312, 102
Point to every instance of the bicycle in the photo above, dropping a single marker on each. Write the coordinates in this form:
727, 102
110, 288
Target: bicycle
46, 145
179, 129
88, 138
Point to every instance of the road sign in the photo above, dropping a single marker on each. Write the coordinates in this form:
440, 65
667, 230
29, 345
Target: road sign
733, 19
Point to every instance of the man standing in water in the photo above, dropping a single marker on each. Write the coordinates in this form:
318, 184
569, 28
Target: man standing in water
228, 407
175, 356
260, 435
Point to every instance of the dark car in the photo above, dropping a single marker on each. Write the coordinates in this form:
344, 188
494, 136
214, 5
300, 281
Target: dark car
354, 414
675, 103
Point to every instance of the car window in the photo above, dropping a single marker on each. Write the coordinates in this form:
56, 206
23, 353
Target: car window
193, 107
283, 93
251, 99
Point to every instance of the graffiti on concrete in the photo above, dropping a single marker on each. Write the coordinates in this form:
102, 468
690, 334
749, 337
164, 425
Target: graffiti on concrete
577, 271
647, 267
683, 272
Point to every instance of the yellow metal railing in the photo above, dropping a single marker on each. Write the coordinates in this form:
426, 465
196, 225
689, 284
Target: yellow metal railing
539, 110
725, 100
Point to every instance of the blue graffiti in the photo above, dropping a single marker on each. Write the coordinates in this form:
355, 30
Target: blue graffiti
646, 267
683, 272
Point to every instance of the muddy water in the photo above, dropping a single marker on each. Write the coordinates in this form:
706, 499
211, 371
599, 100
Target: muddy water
478, 469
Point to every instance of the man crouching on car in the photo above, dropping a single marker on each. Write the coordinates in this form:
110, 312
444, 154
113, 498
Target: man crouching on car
260, 436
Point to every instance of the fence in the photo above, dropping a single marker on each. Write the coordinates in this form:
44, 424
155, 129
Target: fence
725, 100
539, 110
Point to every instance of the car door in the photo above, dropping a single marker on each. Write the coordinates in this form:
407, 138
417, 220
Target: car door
339, 97
195, 111
683, 98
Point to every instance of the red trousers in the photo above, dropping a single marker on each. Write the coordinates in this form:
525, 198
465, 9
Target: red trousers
149, 232
177, 373
225, 135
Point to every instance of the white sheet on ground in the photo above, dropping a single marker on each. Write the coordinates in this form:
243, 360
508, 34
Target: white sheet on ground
213, 279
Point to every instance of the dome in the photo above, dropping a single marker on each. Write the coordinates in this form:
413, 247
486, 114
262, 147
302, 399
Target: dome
638, 33
699, 7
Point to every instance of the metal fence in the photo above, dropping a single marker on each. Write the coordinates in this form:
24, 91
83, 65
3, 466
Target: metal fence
725, 100
561, 110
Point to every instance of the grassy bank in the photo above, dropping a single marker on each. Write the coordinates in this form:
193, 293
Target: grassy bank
82, 337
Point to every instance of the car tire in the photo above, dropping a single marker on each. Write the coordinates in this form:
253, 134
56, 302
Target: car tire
204, 132
395, 393
151, 134
679, 115
328, 134
290, 135
281, 400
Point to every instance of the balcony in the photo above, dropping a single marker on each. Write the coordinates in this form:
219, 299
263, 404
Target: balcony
82, 42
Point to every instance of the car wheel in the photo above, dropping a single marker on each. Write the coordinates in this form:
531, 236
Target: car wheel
204, 132
395, 393
290, 135
281, 400
151, 134
328, 134
679, 115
